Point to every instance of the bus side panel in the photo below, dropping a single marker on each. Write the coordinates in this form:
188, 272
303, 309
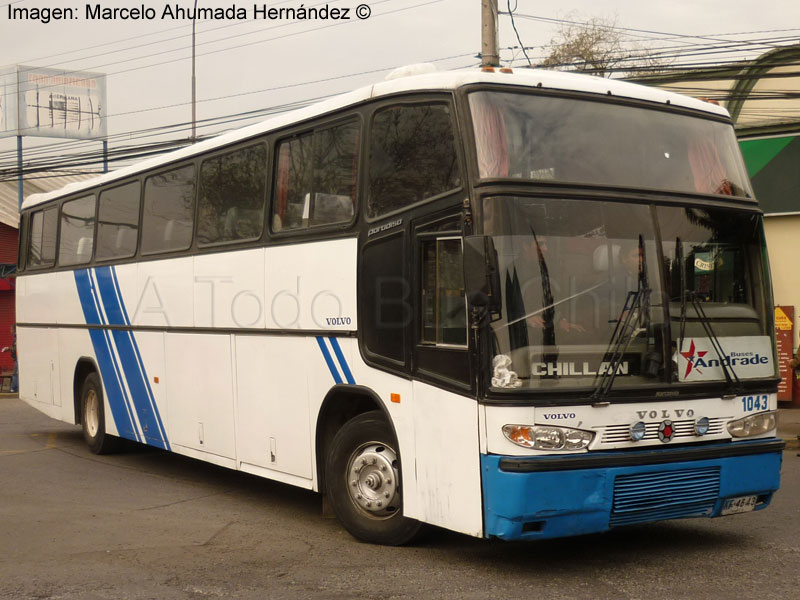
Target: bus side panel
74, 344
21, 307
37, 347
151, 396
199, 388
448, 459
38, 369
37, 306
229, 289
312, 286
67, 310
163, 294
273, 425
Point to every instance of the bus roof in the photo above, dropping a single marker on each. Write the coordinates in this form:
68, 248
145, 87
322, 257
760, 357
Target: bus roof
431, 81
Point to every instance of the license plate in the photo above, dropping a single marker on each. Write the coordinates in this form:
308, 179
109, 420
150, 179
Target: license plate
731, 506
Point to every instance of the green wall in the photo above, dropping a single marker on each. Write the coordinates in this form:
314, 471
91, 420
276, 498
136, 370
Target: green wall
774, 168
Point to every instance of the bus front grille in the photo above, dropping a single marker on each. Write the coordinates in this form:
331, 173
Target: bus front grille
662, 495
615, 434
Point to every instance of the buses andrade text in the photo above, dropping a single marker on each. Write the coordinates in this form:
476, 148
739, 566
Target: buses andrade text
175, 12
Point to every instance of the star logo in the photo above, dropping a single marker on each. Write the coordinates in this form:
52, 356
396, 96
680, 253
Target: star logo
666, 431
689, 355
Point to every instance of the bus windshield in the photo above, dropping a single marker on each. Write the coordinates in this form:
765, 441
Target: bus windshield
544, 138
583, 295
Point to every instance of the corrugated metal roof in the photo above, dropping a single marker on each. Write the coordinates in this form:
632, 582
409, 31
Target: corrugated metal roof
35, 184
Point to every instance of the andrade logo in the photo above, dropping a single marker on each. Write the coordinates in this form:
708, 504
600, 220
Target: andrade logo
748, 356
691, 355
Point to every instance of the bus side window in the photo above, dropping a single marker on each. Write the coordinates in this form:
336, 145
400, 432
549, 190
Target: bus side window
232, 192
118, 221
293, 183
77, 231
168, 211
412, 156
335, 174
316, 178
42, 249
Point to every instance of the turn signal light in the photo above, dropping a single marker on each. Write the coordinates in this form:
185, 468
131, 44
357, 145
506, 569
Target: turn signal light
544, 437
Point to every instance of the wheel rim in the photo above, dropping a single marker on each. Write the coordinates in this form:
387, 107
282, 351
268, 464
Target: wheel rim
92, 413
372, 480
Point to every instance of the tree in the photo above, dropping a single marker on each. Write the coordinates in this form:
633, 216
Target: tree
596, 47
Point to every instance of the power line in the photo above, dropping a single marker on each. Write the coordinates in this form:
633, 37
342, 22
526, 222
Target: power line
136, 37
61, 146
710, 37
514, 25
45, 152
220, 50
680, 48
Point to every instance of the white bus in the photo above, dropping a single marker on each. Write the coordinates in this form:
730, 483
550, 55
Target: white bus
516, 305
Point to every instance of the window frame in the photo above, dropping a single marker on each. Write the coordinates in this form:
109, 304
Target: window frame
445, 98
144, 177
196, 247
353, 115
49, 265
102, 190
90, 194
435, 237
22, 241
686, 198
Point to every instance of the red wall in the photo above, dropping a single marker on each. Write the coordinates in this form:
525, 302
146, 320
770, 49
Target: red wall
8, 255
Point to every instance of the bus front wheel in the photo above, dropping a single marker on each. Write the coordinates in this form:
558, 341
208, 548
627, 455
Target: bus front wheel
363, 482
93, 417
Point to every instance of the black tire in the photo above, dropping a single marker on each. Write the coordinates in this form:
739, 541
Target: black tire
93, 418
362, 481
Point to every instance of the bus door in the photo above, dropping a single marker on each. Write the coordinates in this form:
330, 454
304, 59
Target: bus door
444, 399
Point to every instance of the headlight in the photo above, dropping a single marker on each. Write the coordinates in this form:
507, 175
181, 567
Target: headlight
543, 437
753, 425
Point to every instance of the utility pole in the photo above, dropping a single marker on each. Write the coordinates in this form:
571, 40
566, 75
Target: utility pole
194, 81
490, 53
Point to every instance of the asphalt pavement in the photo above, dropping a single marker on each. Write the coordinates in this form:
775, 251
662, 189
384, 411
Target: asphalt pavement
789, 426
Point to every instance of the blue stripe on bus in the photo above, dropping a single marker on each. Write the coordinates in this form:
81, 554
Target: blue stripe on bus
103, 351
151, 397
118, 374
135, 375
328, 359
340, 356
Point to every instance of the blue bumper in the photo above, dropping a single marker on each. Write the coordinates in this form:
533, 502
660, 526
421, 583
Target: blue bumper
558, 496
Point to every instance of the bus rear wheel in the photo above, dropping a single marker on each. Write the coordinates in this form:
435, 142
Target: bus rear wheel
93, 418
363, 482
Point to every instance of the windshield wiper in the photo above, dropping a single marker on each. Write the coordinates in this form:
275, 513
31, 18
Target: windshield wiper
727, 369
633, 320
548, 305
682, 278
724, 361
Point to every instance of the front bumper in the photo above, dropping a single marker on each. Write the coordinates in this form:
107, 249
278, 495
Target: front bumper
564, 495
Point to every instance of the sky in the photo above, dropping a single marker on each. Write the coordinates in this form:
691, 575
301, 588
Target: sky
255, 63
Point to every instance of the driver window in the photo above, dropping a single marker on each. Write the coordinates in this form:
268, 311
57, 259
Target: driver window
444, 314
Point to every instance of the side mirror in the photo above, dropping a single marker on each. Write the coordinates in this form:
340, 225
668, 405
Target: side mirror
481, 274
